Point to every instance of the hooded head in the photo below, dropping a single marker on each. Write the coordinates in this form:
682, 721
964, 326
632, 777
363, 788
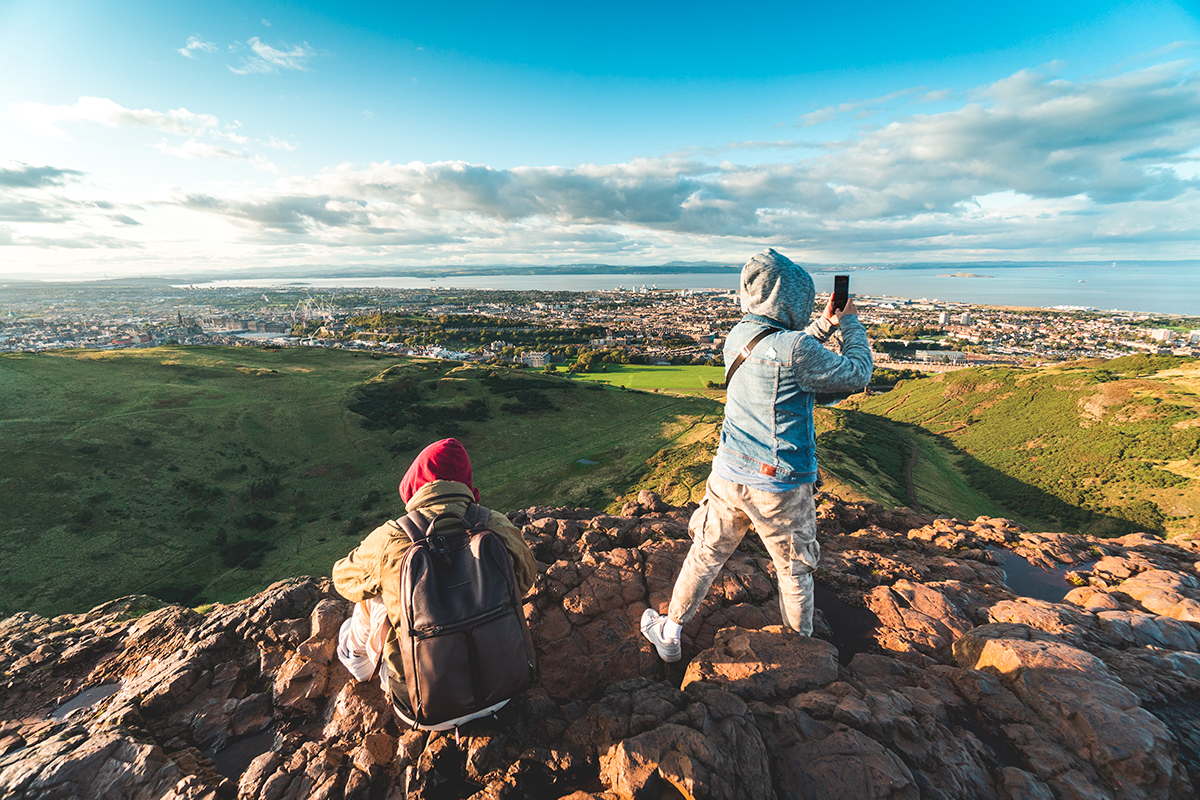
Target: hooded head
772, 286
441, 461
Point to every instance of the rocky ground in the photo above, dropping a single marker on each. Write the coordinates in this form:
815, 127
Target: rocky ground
928, 677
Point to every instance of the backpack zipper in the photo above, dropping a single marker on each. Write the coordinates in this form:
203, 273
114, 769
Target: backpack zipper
437, 630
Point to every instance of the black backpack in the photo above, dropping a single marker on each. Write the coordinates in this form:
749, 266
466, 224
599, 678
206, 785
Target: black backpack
462, 633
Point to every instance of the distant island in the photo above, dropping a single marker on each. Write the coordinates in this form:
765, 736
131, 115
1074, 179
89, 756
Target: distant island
963, 275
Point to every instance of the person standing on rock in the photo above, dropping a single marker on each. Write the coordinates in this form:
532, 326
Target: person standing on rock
766, 466
438, 481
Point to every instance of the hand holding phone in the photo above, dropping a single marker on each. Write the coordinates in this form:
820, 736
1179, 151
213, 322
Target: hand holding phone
841, 291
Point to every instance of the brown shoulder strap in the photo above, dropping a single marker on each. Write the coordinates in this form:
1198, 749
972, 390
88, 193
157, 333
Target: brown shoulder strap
744, 353
476, 516
414, 524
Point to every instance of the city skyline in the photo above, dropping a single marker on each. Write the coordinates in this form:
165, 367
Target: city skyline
139, 140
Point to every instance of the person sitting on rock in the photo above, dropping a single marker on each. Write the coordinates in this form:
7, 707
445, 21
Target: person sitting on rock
766, 465
439, 480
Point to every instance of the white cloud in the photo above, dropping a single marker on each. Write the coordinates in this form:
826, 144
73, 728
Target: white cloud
196, 43
15, 175
819, 116
1030, 166
282, 144
1037, 135
1034, 162
192, 149
267, 59
43, 119
861, 109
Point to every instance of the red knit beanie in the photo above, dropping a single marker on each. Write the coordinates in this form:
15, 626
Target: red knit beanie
445, 461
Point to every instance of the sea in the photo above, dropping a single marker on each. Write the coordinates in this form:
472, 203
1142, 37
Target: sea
1148, 287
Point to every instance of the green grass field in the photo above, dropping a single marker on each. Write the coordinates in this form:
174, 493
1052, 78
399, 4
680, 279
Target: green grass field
1101, 447
201, 474
672, 378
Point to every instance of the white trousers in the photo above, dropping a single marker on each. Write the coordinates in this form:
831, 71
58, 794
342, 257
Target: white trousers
360, 641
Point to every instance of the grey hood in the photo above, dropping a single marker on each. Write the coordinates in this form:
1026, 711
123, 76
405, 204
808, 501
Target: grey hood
773, 286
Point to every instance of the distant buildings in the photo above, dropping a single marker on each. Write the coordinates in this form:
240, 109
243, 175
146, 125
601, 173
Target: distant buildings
931, 356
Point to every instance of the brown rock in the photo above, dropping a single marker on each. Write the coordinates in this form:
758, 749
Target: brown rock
1075, 699
845, 765
728, 762
1132, 628
260, 769
766, 664
918, 617
1017, 784
1083, 703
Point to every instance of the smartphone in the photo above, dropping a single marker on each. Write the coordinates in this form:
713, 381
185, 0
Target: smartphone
841, 291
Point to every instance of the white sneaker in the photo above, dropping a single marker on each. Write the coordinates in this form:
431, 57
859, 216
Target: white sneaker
652, 625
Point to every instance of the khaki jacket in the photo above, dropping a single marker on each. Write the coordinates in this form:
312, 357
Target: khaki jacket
373, 568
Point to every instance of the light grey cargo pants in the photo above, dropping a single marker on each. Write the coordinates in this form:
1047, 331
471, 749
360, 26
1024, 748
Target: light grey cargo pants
787, 524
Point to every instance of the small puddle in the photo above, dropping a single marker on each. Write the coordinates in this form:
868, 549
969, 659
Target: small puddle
232, 760
1031, 580
853, 627
86, 699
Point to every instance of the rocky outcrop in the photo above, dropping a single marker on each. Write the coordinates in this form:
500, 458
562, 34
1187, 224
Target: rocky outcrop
928, 676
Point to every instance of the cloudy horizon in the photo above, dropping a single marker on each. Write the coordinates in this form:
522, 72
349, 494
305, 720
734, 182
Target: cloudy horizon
219, 153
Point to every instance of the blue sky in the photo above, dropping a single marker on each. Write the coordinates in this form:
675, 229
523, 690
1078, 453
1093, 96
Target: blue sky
151, 138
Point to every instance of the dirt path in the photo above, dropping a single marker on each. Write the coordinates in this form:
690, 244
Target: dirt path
913, 455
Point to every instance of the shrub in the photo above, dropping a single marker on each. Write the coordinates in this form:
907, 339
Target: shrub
259, 521
264, 488
245, 553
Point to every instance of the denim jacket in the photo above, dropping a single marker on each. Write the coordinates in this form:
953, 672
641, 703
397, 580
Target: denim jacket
768, 424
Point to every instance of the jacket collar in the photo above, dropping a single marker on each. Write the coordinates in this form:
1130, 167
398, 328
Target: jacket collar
444, 492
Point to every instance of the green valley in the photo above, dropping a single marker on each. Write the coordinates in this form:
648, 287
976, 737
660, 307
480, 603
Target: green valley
202, 474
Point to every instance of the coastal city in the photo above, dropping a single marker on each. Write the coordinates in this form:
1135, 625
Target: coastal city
640, 324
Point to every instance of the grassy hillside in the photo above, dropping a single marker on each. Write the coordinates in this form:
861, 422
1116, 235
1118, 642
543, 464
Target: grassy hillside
868, 457
1102, 447
203, 474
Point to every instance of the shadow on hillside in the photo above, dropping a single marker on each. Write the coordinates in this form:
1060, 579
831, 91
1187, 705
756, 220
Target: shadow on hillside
1019, 497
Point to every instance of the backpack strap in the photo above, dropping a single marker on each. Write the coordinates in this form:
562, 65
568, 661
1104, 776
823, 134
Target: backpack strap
744, 353
413, 523
476, 516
